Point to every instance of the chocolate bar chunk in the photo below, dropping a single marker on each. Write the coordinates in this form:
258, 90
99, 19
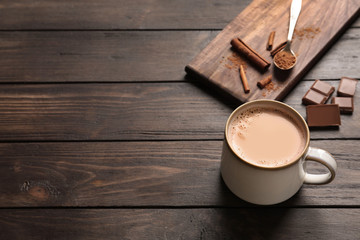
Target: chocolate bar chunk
346, 104
347, 87
323, 88
323, 115
313, 97
318, 93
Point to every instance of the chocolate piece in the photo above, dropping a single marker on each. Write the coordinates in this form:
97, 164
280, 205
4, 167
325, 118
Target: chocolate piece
313, 97
323, 88
347, 87
323, 115
346, 104
318, 93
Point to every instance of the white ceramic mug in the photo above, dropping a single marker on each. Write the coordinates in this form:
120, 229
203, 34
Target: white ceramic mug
270, 185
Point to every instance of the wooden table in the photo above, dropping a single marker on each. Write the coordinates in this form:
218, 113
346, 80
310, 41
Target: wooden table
104, 137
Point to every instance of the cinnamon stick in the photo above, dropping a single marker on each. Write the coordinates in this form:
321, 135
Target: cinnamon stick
262, 83
277, 49
244, 79
249, 53
270, 42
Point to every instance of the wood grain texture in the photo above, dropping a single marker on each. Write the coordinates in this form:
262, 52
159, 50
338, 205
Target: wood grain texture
276, 223
253, 26
81, 56
97, 56
63, 112
131, 174
102, 136
110, 14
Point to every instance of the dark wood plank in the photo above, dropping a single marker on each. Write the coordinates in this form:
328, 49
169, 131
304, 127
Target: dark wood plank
132, 56
147, 111
112, 14
108, 112
253, 26
277, 223
97, 56
130, 174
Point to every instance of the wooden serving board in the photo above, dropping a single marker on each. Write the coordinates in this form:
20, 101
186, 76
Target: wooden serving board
320, 24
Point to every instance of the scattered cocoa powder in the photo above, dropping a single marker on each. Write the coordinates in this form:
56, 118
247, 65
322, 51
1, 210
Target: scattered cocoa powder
234, 61
228, 66
306, 32
269, 88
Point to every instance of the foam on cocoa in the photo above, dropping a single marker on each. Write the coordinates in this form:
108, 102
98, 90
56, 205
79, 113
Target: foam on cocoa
266, 137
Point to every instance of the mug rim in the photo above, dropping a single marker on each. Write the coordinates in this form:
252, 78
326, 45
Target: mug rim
300, 118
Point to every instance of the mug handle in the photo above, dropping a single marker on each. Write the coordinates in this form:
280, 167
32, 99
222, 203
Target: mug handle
325, 158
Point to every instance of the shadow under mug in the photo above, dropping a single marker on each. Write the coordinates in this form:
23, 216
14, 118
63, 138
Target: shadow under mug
266, 185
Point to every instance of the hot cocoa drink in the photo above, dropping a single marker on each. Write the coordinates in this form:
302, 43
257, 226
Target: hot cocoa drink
264, 153
266, 137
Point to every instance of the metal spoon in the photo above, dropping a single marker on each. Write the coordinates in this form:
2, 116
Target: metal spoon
294, 14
